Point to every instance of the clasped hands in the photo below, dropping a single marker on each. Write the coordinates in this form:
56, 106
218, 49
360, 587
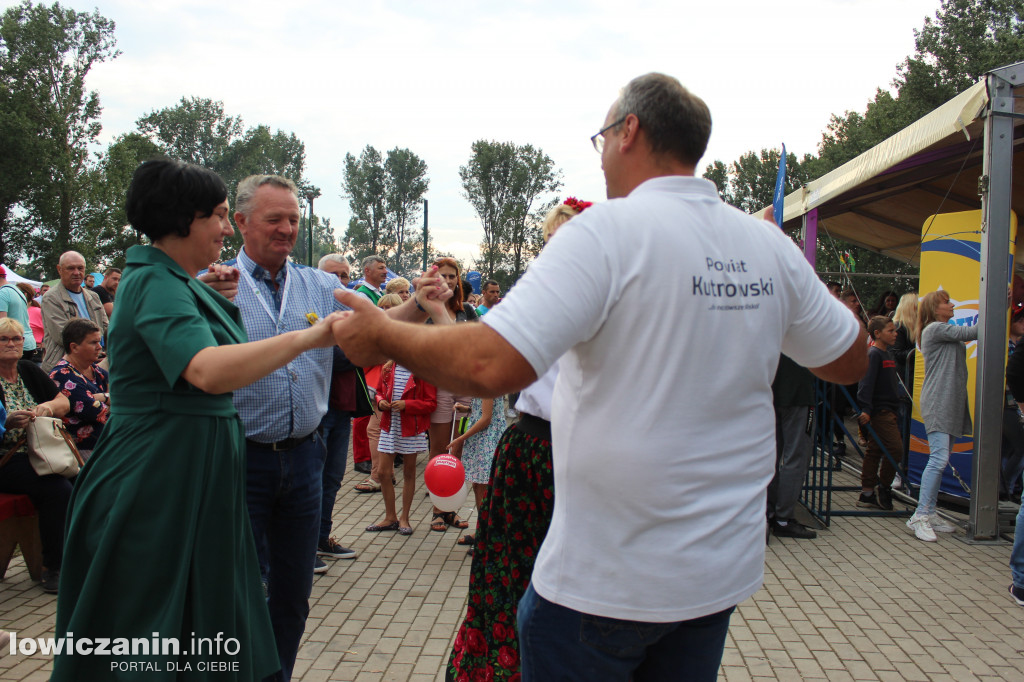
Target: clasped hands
19, 419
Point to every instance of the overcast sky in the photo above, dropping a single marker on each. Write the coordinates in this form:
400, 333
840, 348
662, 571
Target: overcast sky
436, 76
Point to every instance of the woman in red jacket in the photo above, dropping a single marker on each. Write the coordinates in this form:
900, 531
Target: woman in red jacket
405, 403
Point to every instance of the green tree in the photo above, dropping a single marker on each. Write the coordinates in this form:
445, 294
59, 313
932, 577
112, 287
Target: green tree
365, 184
502, 181
749, 182
385, 194
405, 183
106, 218
45, 55
198, 131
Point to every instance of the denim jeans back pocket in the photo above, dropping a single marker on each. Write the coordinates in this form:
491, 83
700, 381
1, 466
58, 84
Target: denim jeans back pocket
621, 638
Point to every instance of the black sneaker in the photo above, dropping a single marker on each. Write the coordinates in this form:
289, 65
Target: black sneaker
869, 500
792, 529
885, 498
399, 461
319, 566
1017, 593
51, 580
363, 467
333, 548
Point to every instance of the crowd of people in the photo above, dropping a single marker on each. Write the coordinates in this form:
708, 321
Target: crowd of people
216, 403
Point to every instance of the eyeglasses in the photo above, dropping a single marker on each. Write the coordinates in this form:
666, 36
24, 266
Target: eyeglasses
598, 139
4, 340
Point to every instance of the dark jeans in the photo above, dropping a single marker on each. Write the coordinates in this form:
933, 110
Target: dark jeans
283, 494
559, 644
335, 428
877, 468
49, 495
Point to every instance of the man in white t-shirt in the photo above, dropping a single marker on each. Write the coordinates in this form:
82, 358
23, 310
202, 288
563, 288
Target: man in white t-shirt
662, 425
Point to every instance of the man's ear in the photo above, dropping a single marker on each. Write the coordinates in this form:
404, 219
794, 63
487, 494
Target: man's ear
630, 133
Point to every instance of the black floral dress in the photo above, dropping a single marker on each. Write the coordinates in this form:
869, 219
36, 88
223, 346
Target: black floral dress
513, 520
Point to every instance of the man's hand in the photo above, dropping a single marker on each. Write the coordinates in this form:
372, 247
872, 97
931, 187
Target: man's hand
223, 279
863, 418
356, 332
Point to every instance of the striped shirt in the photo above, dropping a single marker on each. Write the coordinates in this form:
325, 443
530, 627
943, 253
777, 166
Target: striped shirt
290, 401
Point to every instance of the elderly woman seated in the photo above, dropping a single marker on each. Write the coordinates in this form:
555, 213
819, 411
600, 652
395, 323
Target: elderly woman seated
84, 382
26, 393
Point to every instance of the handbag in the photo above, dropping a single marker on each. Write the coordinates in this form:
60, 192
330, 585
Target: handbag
51, 449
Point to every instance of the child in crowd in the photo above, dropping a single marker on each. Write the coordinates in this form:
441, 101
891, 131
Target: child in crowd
878, 395
476, 448
405, 403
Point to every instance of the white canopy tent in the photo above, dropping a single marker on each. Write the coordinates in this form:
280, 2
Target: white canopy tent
967, 154
14, 277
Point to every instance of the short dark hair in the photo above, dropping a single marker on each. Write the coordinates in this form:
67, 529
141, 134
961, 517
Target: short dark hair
676, 121
110, 271
165, 196
75, 331
877, 324
489, 283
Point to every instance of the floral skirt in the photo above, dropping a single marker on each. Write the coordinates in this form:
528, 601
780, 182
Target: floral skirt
513, 520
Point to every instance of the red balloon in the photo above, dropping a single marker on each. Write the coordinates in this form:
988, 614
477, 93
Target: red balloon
444, 475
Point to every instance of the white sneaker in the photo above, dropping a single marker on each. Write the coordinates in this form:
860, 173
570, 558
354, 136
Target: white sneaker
940, 525
922, 529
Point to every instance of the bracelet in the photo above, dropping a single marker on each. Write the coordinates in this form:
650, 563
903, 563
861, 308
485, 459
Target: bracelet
417, 302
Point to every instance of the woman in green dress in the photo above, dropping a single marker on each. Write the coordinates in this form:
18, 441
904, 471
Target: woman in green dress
159, 548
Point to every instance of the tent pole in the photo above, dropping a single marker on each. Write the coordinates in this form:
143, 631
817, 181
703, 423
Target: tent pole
810, 236
995, 188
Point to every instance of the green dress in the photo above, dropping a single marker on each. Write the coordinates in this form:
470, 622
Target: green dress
158, 535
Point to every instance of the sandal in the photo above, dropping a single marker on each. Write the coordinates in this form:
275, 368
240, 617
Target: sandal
404, 530
453, 520
467, 540
368, 486
378, 528
438, 523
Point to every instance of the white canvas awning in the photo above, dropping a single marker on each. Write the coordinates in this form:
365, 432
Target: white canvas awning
881, 199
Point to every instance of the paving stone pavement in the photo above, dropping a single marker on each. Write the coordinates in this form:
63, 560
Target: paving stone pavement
864, 601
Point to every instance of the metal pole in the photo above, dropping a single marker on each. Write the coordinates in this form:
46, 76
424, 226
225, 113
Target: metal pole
424, 235
309, 255
995, 189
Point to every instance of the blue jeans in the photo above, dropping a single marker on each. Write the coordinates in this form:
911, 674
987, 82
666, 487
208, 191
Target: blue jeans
559, 644
939, 445
1017, 555
335, 428
283, 495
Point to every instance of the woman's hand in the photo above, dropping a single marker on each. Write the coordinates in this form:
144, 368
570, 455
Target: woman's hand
384, 405
19, 419
319, 335
431, 294
455, 447
398, 406
461, 407
43, 410
223, 279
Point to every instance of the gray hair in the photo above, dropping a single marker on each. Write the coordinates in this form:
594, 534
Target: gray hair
676, 122
370, 260
247, 189
331, 257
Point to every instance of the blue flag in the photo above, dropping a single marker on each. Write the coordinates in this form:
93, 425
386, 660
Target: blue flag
779, 200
